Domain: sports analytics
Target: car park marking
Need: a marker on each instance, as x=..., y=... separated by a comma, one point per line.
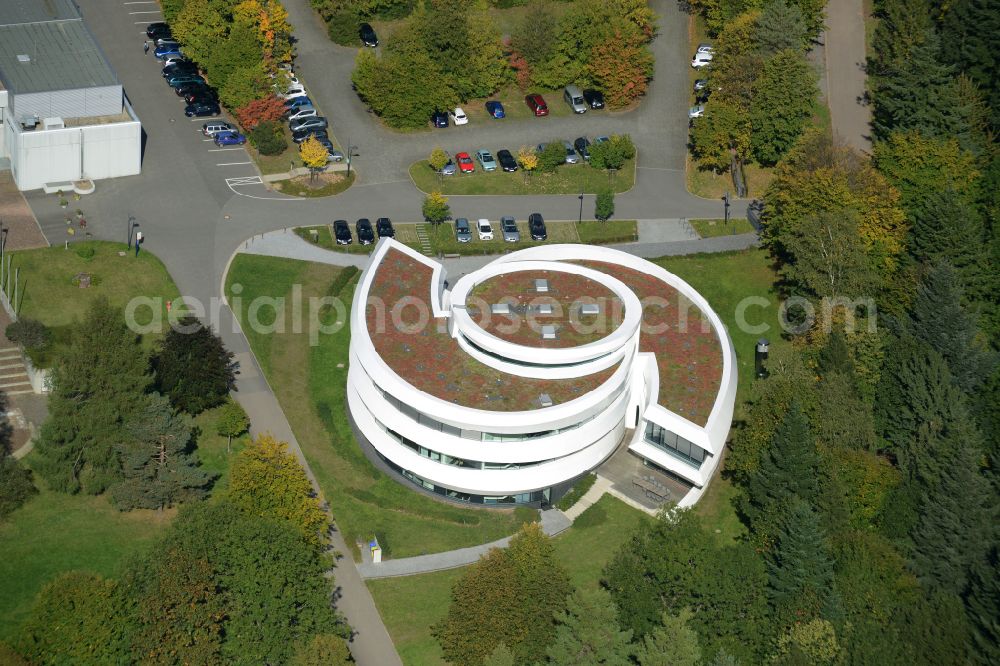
x=244, y=180
x=150, y=11
x=219, y=150
x=203, y=119
x=232, y=163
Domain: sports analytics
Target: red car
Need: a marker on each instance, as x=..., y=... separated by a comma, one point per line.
x=537, y=105
x=465, y=163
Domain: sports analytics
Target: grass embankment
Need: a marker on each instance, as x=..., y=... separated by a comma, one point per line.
x=719, y=227
x=310, y=383
x=411, y=605
x=566, y=179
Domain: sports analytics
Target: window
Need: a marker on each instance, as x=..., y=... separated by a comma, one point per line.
x=674, y=444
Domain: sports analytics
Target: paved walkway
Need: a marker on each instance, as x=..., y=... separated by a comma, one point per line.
x=553, y=522
x=845, y=72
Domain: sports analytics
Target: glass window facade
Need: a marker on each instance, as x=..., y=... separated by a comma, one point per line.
x=675, y=445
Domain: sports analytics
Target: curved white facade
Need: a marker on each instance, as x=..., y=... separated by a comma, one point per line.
x=466, y=413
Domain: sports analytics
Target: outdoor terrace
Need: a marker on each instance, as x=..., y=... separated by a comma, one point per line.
x=560, y=316
x=432, y=361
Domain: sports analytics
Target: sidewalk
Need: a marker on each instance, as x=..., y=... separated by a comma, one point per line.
x=845, y=73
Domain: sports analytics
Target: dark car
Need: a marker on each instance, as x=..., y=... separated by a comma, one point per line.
x=463, y=232
x=594, y=98
x=189, y=70
x=157, y=29
x=190, y=87
x=755, y=213
x=495, y=109
x=208, y=95
x=368, y=36
x=537, y=227
x=300, y=137
x=439, y=119
x=366, y=235
x=582, y=145
x=537, y=105
x=383, y=226
x=202, y=109
x=342, y=232
x=506, y=160
x=179, y=67
x=175, y=80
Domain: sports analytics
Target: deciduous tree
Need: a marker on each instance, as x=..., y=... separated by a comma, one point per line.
x=438, y=158
x=269, y=109
x=621, y=68
x=232, y=422
x=323, y=650
x=552, y=156
x=785, y=94
x=245, y=84
x=604, y=205
x=193, y=368
x=436, y=209
x=313, y=154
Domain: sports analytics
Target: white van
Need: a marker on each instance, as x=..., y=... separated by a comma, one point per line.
x=574, y=97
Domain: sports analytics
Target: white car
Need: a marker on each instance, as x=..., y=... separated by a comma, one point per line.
x=485, y=230
x=696, y=111
x=706, y=48
x=458, y=116
x=701, y=60
x=293, y=92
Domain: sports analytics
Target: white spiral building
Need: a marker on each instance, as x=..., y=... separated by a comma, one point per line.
x=532, y=371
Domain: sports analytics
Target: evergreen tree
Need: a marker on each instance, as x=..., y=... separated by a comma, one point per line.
x=588, y=633
x=800, y=571
x=783, y=100
x=835, y=355
x=970, y=28
x=97, y=385
x=956, y=522
x=780, y=26
x=983, y=605
x=938, y=318
x=723, y=658
x=158, y=466
x=671, y=644
x=193, y=368
x=16, y=486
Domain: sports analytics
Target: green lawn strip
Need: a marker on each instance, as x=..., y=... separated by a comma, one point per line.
x=443, y=240
x=212, y=451
x=301, y=188
x=515, y=107
x=611, y=231
x=410, y=605
x=716, y=507
x=310, y=382
x=718, y=227
x=49, y=293
x=566, y=179
x=54, y=533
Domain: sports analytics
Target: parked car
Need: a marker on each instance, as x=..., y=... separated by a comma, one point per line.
x=594, y=98
x=574, y=98
x=307, y=111
x=582, y=145
x=508, y=226
x=495, y=109
x=316, y=122
x=175, y=80
x=602, y=139
x=486, y=160
x=191, y=87
x=366, y=235
x=201, y=95
x=368, y=36
x=215, y=127
x=700, y=85
x=166, y=40
x=229, y=139
x=571, y=157
x=449, y=168
x=318, y=132
x=458, y=116
x=331, y=154
x=537, y=227
x=463, y=233
x=293, y=92
x=383, y=226
x=178, y=67
x=202, y=109
x=342, y=233
x=701, y=60
x=465, y=163
x=173, y=59
x=506, y=160
x=706, y=48
x=439, y=119
x=296, y=102
x=162, y=52
x=696, y=112
x=485, y=229
x=158, y=28
x=537, y=105
x=755, y=211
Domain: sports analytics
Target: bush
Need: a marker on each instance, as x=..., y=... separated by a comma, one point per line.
x=612, y=154
x=342, y=28
x=30, y=333
x=268, y=138
x=552, y=156
x=604, y=205
x=85, y=252
x=15, y=484
x=578, y=490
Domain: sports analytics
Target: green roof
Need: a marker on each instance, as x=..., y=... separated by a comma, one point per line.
x=51, y=55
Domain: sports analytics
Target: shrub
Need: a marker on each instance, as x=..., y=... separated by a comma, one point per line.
x=31, y=333
x=552, y=156
x=604, y=205
x=612, y=154
x=578, y=490
x=85, y=252
x=342, y=27
x=268, y=138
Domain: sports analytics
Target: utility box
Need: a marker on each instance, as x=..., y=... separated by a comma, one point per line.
x=376, y=550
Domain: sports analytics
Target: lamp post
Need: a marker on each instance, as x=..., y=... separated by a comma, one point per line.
x=132, y=226
x=725, y=199
x=350, y=154
x=580, y=219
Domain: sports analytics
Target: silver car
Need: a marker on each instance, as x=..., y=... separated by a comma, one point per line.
x=571, y=156
x=509, y=228
x=449, y=168
x=463, y=232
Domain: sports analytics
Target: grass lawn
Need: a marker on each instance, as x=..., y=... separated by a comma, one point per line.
x=566, y=179
x=310, y=382
x=54, y=533
x=327, y=185
x=271, y=164
x=612, y=231
x=710, y=185
x=212, y=448
x=410, y=605
x=48, y=292
x=718, y=227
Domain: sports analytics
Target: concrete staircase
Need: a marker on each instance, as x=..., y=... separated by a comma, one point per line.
x=13, y=375
x=424, y=239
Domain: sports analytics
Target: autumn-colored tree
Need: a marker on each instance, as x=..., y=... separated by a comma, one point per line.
x=918, y=166
x=438, y=158
x=267, y=480
x=522, y=70
x=527, y=159
x=260, y=110
x=313, y=154
x=621, y=68
x=724, y=131
x=323, y=650
x=436, y=209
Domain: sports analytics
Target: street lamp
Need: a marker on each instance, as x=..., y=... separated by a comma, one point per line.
x=132, y=226
x=350, y=154
x=580, y=220
x=725, y=198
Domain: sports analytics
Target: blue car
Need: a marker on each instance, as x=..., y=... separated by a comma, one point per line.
x=296, y=102
x=167, y=50
x=229, y=139
x=495, y=109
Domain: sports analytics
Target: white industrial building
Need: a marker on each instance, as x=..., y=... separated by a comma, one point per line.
x=64, y=114
x=530, y=372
